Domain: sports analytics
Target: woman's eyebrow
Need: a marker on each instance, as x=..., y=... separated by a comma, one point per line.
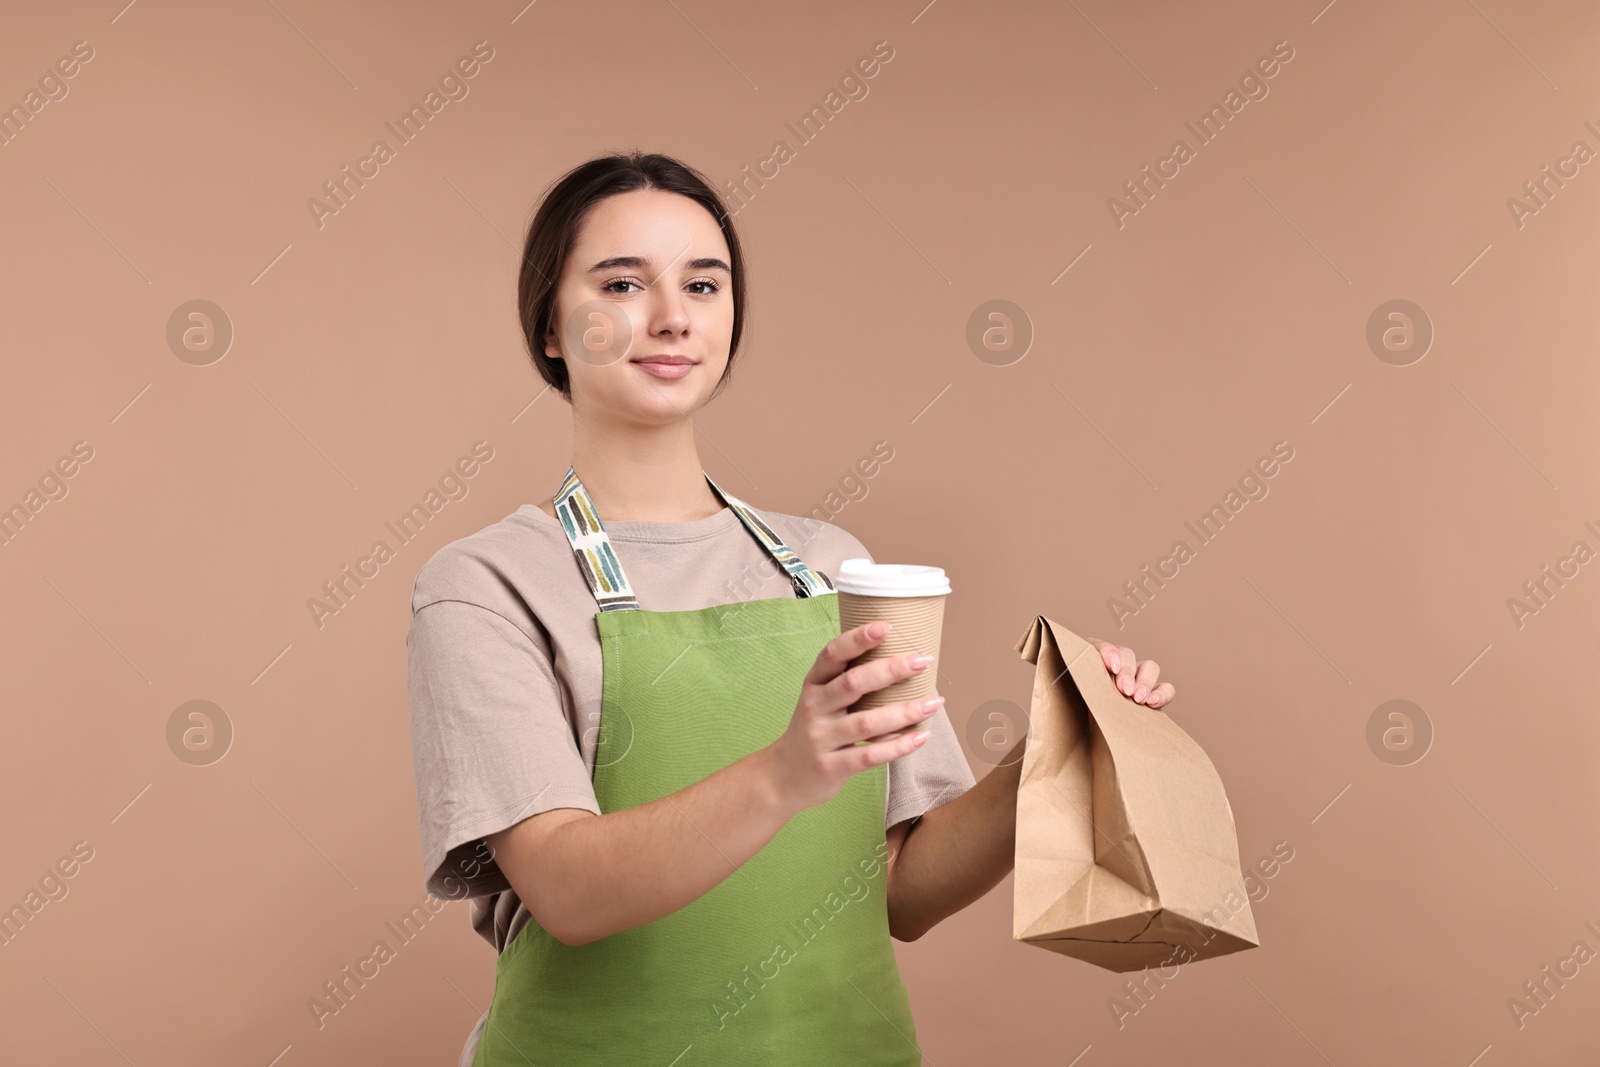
x=643, y=263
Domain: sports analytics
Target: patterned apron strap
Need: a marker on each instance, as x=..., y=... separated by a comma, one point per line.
x=806, y=581
x=603, y=570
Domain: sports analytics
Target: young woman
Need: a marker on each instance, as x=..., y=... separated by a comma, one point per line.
x=628, y=702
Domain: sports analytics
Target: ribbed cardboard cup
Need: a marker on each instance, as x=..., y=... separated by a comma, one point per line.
x=911, y=599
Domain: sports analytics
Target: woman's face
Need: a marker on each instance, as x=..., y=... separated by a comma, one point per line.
x=648, y=277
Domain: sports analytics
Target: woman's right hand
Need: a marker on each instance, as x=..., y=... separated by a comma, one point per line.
x=818, y=751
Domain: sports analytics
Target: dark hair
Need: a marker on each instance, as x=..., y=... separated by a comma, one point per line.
x=555, y=228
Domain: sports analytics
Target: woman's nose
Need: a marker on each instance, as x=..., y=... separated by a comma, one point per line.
x=668, y=312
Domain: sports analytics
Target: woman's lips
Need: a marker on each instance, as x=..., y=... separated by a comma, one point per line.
x=665, y=370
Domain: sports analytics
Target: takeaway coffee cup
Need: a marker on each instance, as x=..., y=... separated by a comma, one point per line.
x=911, y=598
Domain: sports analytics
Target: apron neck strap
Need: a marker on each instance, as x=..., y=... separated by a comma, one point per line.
x=603, y=571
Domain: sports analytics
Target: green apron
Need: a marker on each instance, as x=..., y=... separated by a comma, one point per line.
x=787, y=962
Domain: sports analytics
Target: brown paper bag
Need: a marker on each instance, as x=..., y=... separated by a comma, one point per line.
x=1127, y=855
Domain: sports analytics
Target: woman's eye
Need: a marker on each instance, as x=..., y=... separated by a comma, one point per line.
x=700, y=287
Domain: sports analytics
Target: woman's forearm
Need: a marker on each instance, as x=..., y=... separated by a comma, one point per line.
x=594, y=875
x=585, y=876
x=957, y=852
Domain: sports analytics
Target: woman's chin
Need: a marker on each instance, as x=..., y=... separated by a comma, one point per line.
x=662, y=407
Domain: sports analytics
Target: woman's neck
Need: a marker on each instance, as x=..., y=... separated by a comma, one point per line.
x=644, y=474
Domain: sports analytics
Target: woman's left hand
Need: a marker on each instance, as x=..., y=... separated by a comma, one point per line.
x=1135, y=678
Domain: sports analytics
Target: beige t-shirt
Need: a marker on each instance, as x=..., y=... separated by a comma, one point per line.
x=504, y=678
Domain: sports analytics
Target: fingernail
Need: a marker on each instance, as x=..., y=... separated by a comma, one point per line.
x=919, y=737
x=1116, y=663
x=1139, y=693
x=931, y=705
x=921, y=660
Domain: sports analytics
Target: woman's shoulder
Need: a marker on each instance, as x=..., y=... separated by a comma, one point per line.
x=492, y=565
x=820, y=543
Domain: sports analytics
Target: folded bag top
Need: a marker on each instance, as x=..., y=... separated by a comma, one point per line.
x=1127, y=856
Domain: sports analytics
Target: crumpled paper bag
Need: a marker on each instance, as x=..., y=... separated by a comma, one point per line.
x=1126, y=855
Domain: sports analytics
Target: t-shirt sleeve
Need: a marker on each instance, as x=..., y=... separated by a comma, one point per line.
x=932, y=775
x=491, y=744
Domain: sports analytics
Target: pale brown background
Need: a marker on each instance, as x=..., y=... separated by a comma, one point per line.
x=1229, y=314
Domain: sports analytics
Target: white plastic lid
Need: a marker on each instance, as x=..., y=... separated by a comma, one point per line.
x=863, y=577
